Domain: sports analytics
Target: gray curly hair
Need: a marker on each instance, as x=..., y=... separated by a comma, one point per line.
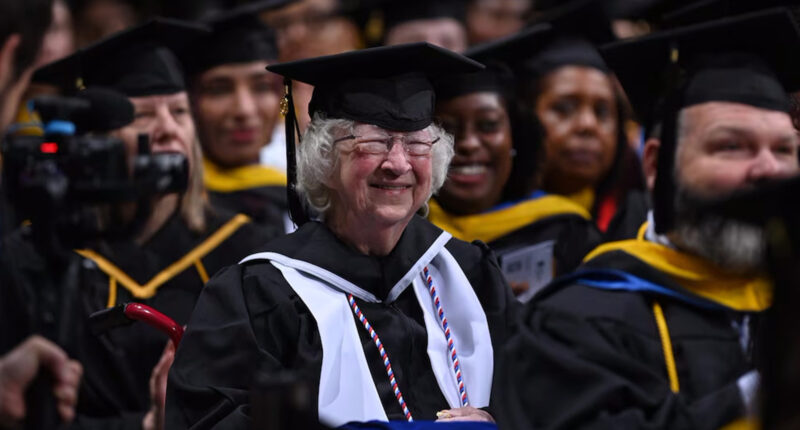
x=317, y=157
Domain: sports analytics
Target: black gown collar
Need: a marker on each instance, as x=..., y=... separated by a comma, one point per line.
x=314, y=243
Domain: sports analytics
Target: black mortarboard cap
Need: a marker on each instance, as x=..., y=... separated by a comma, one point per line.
x=750, y=59
x=397, y=12
x=137, y=62
x=237, y=36
x=561, y=36
x=538, y=50
x=389, y=86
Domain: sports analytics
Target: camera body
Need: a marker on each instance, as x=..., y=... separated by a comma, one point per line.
x=65, y=167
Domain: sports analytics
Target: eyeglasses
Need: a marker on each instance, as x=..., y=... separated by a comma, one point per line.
x=382, y=144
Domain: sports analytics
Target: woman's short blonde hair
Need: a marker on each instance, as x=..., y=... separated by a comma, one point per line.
x=317, y=158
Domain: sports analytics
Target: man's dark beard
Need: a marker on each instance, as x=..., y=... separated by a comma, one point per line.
x=730, y=244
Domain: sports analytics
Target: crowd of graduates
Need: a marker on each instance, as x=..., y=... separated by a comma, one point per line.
x=514, y=213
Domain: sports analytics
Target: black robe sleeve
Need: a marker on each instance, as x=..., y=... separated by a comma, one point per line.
x=604, y=370
x=245, y=321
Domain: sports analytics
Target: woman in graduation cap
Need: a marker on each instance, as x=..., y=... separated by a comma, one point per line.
x=235, y=101
x=180, y=242
x=565, y=85
x=389, y=316
x=526, y=227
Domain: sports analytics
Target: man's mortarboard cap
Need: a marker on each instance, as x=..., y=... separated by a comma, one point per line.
x=237, y=36
x=137, y=62
x=750, y=59
x=386, y=86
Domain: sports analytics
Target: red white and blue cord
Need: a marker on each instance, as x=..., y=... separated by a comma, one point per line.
x=384, y=356
x=462, y=389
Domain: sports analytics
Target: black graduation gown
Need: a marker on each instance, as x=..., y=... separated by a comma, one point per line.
x=250, y=319
x=117, y=365
x=587, y=357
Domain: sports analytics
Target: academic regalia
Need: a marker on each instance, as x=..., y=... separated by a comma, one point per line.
x=645, y=335
x=535, y=237
x=238, y=36
x=565, y=36
x=167, y=273
x=251, y=318
x=256, y=191
x=543, y=231
x=591, y=349
x=378, y=336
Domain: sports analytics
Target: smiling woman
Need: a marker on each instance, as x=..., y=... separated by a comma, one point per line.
x=235, y=101
x=528, y=229
x=372, y=300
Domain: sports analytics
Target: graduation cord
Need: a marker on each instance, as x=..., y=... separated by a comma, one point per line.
x=666, y=345
x=384, y=356
x=462, y=389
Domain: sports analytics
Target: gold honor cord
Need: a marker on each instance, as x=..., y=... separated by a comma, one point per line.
x=193, y=257
x=666, y=345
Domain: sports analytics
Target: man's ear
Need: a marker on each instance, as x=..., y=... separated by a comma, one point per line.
x=7, y=51
x=650, y=161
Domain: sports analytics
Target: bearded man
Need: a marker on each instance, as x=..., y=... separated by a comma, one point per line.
x=658, y=332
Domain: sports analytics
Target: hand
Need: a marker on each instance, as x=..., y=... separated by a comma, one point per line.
x=467, y=413
x=20, y=366
x=154, y=420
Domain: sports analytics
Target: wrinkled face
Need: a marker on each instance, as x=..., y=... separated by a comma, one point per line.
x=578, y=111
x=491, y=19
x=731, y=146
x=445, y=32
x=379, y=189
x=166, y=119
x=236, y=106
x=482, y=163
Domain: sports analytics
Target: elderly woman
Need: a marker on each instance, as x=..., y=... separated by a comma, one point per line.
x=358, y=298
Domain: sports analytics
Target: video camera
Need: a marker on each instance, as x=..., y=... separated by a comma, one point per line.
x=60, y=168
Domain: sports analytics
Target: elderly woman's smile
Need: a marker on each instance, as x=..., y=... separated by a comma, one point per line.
x=379, y=180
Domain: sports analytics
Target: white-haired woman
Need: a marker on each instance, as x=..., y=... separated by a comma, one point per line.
x=390, y=317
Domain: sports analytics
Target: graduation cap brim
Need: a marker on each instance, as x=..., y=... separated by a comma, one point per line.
x=538, y=50
x=771, y=35
x=376, y=63
x=106, y=61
